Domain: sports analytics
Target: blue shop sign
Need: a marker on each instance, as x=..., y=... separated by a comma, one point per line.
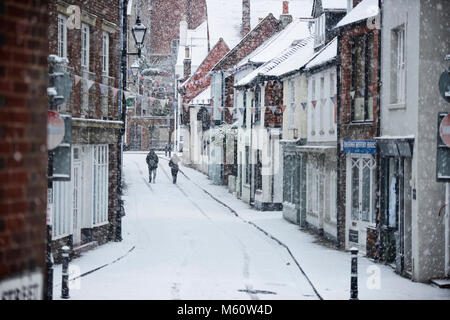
x=360, y=146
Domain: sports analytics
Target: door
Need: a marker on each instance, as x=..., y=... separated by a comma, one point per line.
x=77, y=195
x=360, y=212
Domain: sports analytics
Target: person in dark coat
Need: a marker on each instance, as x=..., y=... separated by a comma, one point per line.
x=166, y=149
x=152, y=162
x=173, y=164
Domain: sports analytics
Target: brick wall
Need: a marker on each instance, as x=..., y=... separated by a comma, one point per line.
x=23, y=133
x=349, y=130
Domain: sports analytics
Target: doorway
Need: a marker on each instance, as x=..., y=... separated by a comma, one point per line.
x=77, y=196
x=360, y=199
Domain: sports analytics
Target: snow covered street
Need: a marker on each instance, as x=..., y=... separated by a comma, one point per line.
x=180, y=242
x=187, y=246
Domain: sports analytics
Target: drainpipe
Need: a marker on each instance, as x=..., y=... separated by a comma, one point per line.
x=339, y=217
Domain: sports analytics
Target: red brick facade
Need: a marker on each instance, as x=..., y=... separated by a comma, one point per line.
x=351, y=130
x=23, y=134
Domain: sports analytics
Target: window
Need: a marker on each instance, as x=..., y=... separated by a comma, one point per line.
x=332, y=111
x=313, y=109
x=100, y=204
x=291, y=103
x=247, y=165
x=62, y=209
x=333, y=195
x=105, y=53
x=85, y=46
x=314, y=183
x=321, y=108
x=320, y=29
x=258, y=182
x=62, y=36
x=362, y=75
x=398, y=72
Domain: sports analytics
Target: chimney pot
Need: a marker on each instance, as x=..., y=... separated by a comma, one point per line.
x=285, y=7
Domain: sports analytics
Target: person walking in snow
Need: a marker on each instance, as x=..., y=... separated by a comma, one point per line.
x=152, y=162
x=173, y=164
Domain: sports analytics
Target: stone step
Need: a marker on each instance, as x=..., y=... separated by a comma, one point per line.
x=78, y=250
x=441, y=283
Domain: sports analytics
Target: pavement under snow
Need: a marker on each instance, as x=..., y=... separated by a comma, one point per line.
x=194, y=240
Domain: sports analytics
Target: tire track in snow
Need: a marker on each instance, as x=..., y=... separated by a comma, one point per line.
x=260, y=229
x=246, y=267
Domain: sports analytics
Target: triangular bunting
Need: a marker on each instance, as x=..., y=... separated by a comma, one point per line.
x=314, y=102
x=273, y=108
x=114, y=91
x=242, y=110
x=283, y=107
x=304, y=104
x=77, y=79
x=103, y=88
x=362, y=91
x=333, y=99
x=370, y=88
x=352, y=94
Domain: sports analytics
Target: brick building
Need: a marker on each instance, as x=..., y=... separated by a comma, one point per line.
x=23, y=149
x=358, y=121
x=86, y=209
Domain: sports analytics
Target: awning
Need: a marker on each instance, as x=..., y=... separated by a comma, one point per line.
x=395, y=146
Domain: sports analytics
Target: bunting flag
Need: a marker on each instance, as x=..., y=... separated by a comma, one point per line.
x=89, y=83
x=252, y=110
x=304, y=104
x=371, y=88
x=314, y=102
x=220, y=109
x=352, y=94
x=273, y=108
x=103, y=88
x=362, y=90
x=77, y=79
x=283, y=107
x=186, y=107
x=333, y=99
x=242, y=110
x=114, y=91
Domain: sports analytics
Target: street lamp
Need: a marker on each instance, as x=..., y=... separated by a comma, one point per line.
x=138, y=32
x=135, y=68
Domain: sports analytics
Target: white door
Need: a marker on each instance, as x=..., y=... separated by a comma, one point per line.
x=360, y=199
x=77, y=195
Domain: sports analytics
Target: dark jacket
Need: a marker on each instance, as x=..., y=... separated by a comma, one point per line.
x=152, y=160
x=173, y=166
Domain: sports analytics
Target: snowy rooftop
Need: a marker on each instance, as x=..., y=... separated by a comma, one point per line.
x=296, y=60
x=364, y=10
x=292, y=58
x=202, y=98
x=334, y=4
x=327, y=53
x=298, y=29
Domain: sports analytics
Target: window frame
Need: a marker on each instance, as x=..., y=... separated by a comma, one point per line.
x=100, y=158
x=85, y=46
x=105, y=53
x=62, y=43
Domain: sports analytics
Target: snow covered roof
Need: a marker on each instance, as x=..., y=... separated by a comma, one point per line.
x=202, y=98
x=328, y=53
x=290, y=59
x=225, y=16
x=334, y=4
x=364, y=10
x=296, y=60
x=298, y=29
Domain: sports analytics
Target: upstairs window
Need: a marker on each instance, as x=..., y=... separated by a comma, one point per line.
x=62, y=36
x=362, y=75
x=105, y=53
x=85, y=46
x=320, y=29
x=398, y=72
x=291, y=103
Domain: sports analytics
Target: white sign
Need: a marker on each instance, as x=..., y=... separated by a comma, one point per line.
x=55, y=130
x=25, y=287
x=49, y=207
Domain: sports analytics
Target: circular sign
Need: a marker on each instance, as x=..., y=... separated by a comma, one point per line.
x=55, y=130
x=444, y=85
x=444, y=130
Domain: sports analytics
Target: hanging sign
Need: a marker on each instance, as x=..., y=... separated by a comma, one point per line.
x=360, y=146
x=55, y=130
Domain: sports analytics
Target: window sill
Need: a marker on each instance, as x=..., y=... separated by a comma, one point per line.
x=397, y=106
x=360, y=123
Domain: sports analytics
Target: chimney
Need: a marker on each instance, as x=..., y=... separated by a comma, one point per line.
x=183, y=31
x=285, y=17
x=186, y=64
x=245, y=28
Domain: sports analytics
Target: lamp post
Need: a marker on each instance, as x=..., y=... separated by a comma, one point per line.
x=139, y=30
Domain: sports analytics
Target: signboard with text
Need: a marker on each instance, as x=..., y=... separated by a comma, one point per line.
x=25, y=287
x=359, y=146
x=443, y=148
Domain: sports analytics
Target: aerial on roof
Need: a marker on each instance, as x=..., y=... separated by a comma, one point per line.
x=364, y=10
x=326, y=54
x=298, y=29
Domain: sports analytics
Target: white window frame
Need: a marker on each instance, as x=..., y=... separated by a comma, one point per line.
x=399, y=65
x=85, y=39
x=105, y=53
x=333, y=195
x=291, y=103
x=62, y=214
x=332, y=92
x=100, y=185
x=62, y=36
x=313, y=180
